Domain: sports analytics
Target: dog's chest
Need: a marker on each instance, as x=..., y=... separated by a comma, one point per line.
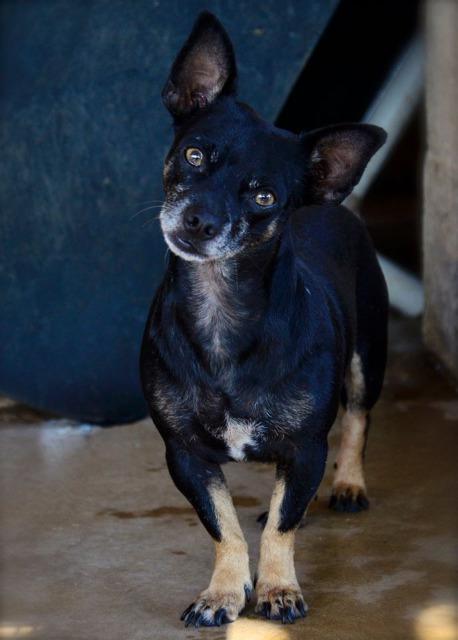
x=249, y=420
x=239, y=435
x=240, y=392
x=218, y=310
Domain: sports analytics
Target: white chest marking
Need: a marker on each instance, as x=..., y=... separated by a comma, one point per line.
x=216, y=315
x=240, y=433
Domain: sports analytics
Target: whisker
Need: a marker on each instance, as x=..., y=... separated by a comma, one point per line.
x=153, y=206
x=148, y=201
x=150, y=221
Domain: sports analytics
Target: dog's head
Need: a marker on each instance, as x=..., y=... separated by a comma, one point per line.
x=230, y=178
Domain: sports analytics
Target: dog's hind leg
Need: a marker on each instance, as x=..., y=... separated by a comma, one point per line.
x=363, y=383
x=204, y=486
x=279, y=595
x=349, y=487
x=349, y=491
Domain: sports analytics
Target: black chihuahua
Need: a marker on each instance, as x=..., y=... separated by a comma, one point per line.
x=273, y=309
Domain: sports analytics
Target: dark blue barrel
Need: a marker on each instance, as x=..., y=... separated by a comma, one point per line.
x=82, y=135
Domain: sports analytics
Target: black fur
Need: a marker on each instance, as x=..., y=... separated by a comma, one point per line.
x=298, y=286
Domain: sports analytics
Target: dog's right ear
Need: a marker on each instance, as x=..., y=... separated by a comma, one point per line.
x=337, y=157
x=204, y=69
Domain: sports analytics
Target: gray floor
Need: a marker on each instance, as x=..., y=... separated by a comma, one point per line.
x=98, y=544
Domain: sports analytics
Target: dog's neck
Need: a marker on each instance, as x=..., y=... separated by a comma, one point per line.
x=227, y=297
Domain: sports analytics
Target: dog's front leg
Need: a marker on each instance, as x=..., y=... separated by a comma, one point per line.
x=203, y=484
x=279, y=595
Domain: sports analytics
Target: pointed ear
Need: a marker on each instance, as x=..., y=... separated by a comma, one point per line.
x=204, y=69
x=337, y=157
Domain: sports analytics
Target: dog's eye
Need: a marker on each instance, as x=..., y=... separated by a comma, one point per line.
x=194, y=156
x=265, y=198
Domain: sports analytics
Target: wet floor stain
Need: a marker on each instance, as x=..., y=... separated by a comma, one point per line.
x=192, y=522
x=160, y=512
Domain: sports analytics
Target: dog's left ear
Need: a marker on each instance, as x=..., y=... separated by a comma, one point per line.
x=337, y=157
x=204, y=69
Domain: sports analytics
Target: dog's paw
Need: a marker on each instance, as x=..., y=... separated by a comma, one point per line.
x=281, y=603
x=213, y=608
x=348, y=498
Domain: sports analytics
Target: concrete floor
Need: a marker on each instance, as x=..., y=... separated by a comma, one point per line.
x=98, y=544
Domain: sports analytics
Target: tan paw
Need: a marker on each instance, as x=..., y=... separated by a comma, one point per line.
x=281, y=603
x=348, y=498
x=214, y=608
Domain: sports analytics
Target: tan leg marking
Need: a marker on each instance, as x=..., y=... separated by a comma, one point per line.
x=278, y=592
x=231, y=575
x=354, y=381
x=350, y=457
x=349, y=486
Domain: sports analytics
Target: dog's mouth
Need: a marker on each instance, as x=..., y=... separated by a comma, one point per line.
x=181, y=246
x=185, y=245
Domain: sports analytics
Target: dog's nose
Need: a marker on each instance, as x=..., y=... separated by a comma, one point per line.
x=200, y=225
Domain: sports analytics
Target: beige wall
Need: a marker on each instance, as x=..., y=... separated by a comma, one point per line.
x=440, y=218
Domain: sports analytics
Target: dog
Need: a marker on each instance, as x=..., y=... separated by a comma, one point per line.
x=271, y=313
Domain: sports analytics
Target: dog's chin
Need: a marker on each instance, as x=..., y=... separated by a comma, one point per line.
x=184, y=249
x=187, y=251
